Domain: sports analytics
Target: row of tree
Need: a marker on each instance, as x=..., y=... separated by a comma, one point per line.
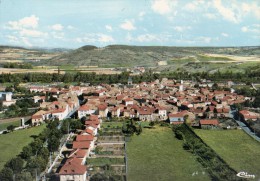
x=123, y=77
x=216, y=167
x=18, y=65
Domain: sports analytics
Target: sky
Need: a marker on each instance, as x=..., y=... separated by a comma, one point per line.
x=75, y=23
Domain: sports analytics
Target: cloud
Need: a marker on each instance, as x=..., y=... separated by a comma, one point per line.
x=225, y=34
x=58, y=35
x=194, y=5
x=163, y=6
x=210, y=15
x=94, y=38
x=147, y=38
x=69, y=27
x=255, y=28
x=57, y=27
x=12, y=39
x=105, y=38
x=227, y=13
x=26, y=22
x=109, y=28
x=144, y=38
x=141, y=14
x=181, y=28
x=236, y=11
x=32, y=33
x=128, y=25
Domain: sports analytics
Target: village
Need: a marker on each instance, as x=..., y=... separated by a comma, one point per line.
x=170, y=101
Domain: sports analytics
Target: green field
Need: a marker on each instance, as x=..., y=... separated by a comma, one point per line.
x=11, y=144
x=3, y=126
x=238, y=149
x=157, y=155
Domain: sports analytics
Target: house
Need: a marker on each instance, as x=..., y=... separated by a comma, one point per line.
x=115, y=112
x=247, y=115
x=60, y=114
x=208, y=123
x=81, y=145
x=87, y=131
x=36, y=89
x=102, y=110
x=36, y=118
x=162, y=112
x=128, y=101
x=85, y=110
x=6, y=98
x=74, y=170
x=80, y=154
x=145, y=114
x=177, y=118
x=86, y=138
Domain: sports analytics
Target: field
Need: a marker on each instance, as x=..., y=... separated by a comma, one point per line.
x=238, y=149
x=157, y=155
x=3, y=126
x=11, y=144
x=112, y=125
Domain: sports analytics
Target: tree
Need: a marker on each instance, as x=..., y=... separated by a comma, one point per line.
x=151, y=123
x=27, y=152
x=10, y=128
x=36, y=164
x=53, y=144
x=24, y=176
x=16, y=164
x=6, y=174
x=36, y=145
x=99, y=177
x=215, y=86
x=44, y=153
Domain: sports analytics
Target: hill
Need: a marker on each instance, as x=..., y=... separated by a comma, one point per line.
x=147, y=56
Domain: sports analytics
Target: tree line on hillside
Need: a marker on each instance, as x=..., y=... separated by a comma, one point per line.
x=18, y=65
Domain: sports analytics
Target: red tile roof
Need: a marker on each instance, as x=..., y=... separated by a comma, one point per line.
x=209, y=122
x=36, y=116
x=102, y=107
x=79, y=153
x=84, y=108
x=179, y=114
x=84, y=138
x=81, y=144
x=73, y=167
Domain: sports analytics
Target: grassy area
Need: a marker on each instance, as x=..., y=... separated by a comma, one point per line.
x=238, y=149
x=157, y=155
x=112, y=124
x=104, y=161
x=11, y=144
x=205, y=58
x=3, y=126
